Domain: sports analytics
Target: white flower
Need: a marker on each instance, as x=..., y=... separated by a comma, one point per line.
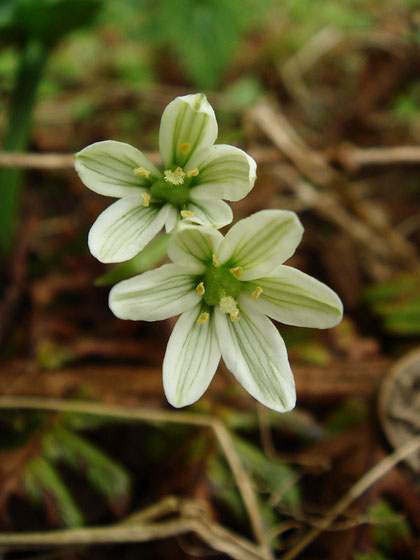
x=196, y=176
x=224, y=287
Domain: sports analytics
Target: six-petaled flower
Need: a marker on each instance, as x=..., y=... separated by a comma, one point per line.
x=197, y=176
x=224, y=288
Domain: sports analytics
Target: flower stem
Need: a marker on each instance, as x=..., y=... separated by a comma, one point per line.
x=31, y=65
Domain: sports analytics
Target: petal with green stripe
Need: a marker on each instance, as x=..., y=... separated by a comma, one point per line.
x=262, y=242
x=124, y=229
x=188, y=124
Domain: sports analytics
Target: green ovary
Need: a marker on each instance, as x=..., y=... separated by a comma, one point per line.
x=178, y=195
x=218, y=283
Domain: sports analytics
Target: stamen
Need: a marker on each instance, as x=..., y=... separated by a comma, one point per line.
x=200, y=289
x=215, y=260
x=187, y=214
x=184, y=147
x=142, y=172
x=203, y=318
x=175, y=177
x=234, y=316
x=146, y=198
x=237, y=271
x=257, y=292
x=192, y=173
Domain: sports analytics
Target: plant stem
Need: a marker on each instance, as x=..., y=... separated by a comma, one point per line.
x=31, y=65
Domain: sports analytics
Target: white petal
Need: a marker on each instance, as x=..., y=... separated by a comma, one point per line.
x=213, y=213
x=108, y=168
x=224, y=172
x=188, y=124
x=172, y=218
x=254, y=352
x=294, y=298
x=194, y=246
x=262, y=242
x=155, y=295
x=124, y=229
x=191, y=358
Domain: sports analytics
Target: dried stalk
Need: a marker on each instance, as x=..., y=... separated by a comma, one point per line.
x=350, y=157
x=314, y=166
x=143, y=526
x=367, y=480
x=151, y=415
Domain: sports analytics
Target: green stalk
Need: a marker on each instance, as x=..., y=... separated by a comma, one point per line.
x=31, y=65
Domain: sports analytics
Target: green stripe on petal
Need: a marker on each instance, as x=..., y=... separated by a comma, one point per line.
x=224, y=172
x=194, y=246
x=213, y=213
x=155, y=295
x=124, y=229
x=188, y=124
x=191, y=358
x=262, y=242
x=294, y=298
x=108, y=168
x=255, y=353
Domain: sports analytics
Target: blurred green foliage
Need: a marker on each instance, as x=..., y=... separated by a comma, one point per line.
x=44, y=20
x=388, y=528
x=204, y=35
x=57, y=444
x=397, y=303
x=148, y=258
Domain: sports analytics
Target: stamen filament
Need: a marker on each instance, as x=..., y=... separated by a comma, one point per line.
x=187, y=214
x=234, y=316
x=184, y=147
x=146, y=199
x=237, y=271
x=200, y=289
x=257, y=292
x=192, y=173
x=142, y=172
x=204, y=317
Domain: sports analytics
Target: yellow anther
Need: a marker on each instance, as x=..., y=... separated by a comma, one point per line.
x=215, y=260
x=184, y=147
x=146, y=198
x=175, y=177
x=200, y=289
x=192, y=173
x=237, y=271
x=187, y=214
x=257, y=292
x=142, y=172
x=203, y=318
x=234, y=316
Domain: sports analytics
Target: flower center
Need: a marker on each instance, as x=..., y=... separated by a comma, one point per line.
x=220, y=287
x=176, y=194
x=174, y=187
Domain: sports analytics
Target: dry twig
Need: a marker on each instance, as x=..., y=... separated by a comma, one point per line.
x=151, y=415
x=191, y=517
x=367, y=480
x=312, y=165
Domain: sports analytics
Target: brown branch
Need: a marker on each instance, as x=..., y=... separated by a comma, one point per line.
x=349, y=156
x=339, y=379
x=352, y=157
x=314, y=166
x=152, y=415
x=367, y=480
x=191, y=518
x=48, y=161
